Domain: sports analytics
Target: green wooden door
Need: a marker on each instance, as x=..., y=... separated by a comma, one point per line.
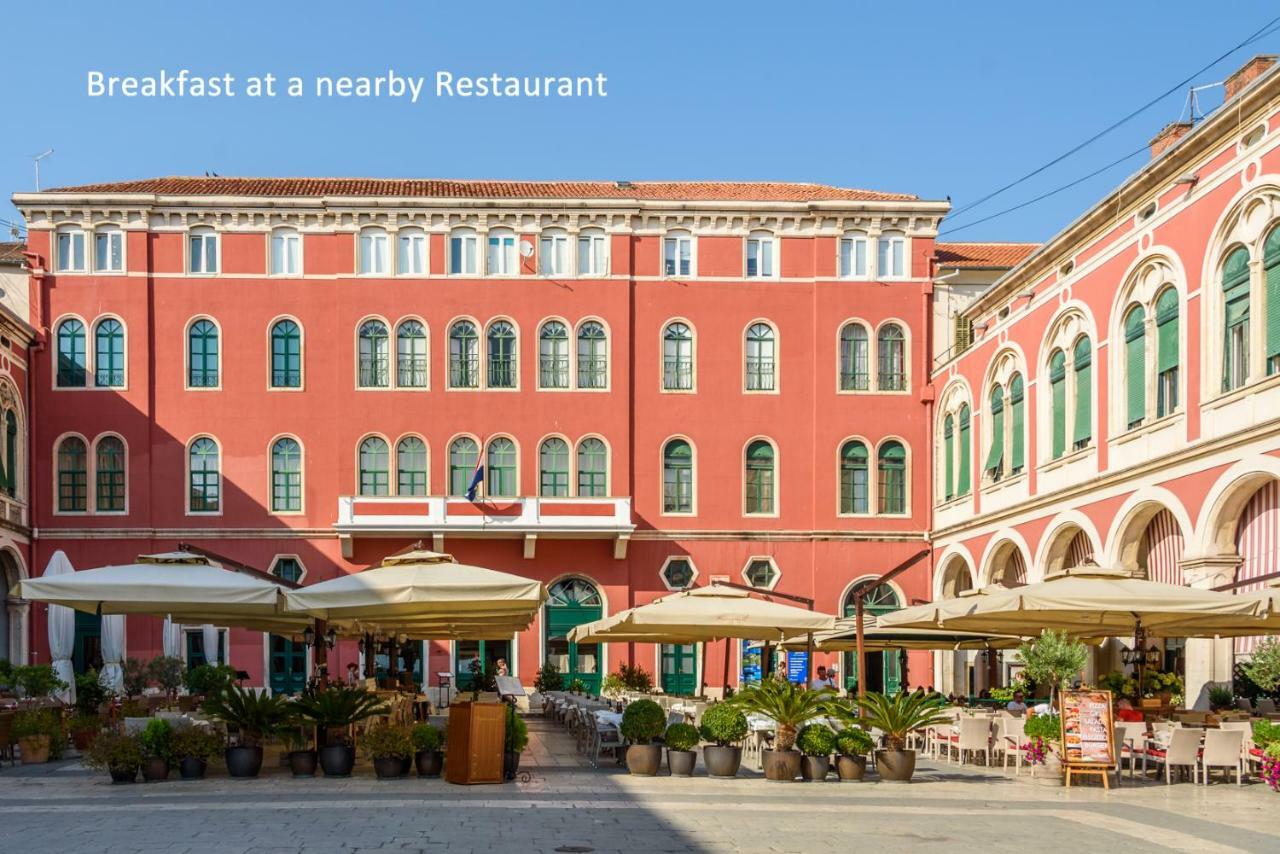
x=196, y=653
x=87, y=653
x=679, y=668
x=288, y=665
x=571, y=603
x=466, y=651
x=886, y=675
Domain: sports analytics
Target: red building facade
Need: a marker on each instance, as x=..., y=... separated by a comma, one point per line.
x=667, y=383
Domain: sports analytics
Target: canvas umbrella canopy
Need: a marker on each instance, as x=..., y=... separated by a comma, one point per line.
x=1085, y=601
x=878, y=638
x=62, y=631
x=187, y=587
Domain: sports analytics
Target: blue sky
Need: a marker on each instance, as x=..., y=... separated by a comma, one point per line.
x=933, y=98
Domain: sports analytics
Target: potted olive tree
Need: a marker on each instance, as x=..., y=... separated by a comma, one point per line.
x=157, y=749
x=334, y=711
x=38, y=733
x=642, y=722
x=681, y=740
x=816, y=743
x=897, y=717
x=193, y=746
x=390, y=748
x=725, y=726
x=256, y=716
x=790, y=706
x=117, y=754
x=852, y=746
x=428, y=741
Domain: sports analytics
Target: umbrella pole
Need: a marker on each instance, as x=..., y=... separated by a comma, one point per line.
x=320, y=654
x=859, y=632
x=808, y=659
x=725, y=695
x=370, y=656
x=702, y=682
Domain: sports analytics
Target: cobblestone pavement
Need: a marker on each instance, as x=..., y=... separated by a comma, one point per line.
x=567, y=806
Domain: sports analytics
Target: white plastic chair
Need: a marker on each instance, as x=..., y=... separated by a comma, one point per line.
x=1014, y=740
x=1133, y=737
x=975, y=736
x=1223, y=748
x=1183, y=750
x=1266, y=706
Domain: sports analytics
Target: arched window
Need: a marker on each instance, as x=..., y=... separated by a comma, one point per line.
x=286, y=476
x=593, y=253
x=893, y=478
x=1271, y=297
x=109, y=468
x=374, y=356
x=108, y=253
x=375, y=464
x=411, y=355
x=500, y=259
x=502, y=355
x=204, y=485
x=853, y=255
x=1167, y=343
x=202, y=354
x=1235, y=342
x=411, y=467
x=286, y=355
x=411, y=252
x=464, y=355
x=500, y=460
x=1082, y=427
x=891, y=356
x=761, y=255
x=854, y=474
x=677, y=357
x=553, y=355
x=677, y=477
x=593, y=468
x=71, y=257
x=948, y=458
x=553, y=467
x=462, y=252
x=994, y=466
x=1017, y=431
x=761, y=358
x=286, y=252
x=1135, y=366
x=855, y=358
x=73, y=476
x=463, y=457
x=108, y=346
x=593, y=356
x=202, y=250
x=553, y=253
x=11, y=455
x=72, y=365
x=1058, y=403
x=963, y=476
x=373, y=252
x=759, y=478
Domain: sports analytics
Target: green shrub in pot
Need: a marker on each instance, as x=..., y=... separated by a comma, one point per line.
x=208, y=680
x=428, y=742
x=682, y=737
x=642, y=722
x=724, y=725
x=390, y=747
x=816, y=740
x=39, y=735
x=854, y=741
x=157, y=752
x=118, y=754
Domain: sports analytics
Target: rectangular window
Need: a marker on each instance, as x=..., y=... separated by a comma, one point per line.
x=677, y=489
x=501, y=260
x=71, y=251
x=373, y=254
x=412, y=258
x=286, y=491
x=593, y=255
x=553, y=255
x=890, y=260
x=286, y=254
x=1166, y=392
x=677, y=256
x=204, y=252
x=108, y=251
x=853, y=257
x=462, y=255
x=759, y=257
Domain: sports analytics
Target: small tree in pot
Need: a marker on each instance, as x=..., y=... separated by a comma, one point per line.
x=790, y=706
x=1053, y=658
x=681, y=740
x=725, y=725
x=157, y=749
x=428, y=744
x=642, y=722
x=334, y=711
x=816, y=743
x=117, y=754
x=390, y=748
x=193, y=746
x=39, y=735
x=517, y=739
x=898, y=716
x=256, y=717
x=853, y=744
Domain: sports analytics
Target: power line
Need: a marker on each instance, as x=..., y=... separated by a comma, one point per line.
x=1262, y=32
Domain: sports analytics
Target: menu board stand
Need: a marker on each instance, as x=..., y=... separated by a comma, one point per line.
x=1088, y=735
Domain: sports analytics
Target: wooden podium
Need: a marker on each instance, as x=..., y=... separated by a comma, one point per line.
x=477, y=741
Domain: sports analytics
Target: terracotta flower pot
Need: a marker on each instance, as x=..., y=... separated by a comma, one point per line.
x=303, y=763
x=35, y=749
x=851, y=768
x=430, y=763
x=782, y=766
x=682, y=762
x=644, y=760
x=155, y=769
x=895, y=766
x=722, y=761
x=815, y=768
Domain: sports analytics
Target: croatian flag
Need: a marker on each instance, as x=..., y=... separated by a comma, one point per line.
x=477, y=477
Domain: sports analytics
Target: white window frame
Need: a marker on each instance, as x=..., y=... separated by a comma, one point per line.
x=765, y=245
x=676, y=239
x=886, y=244
x=853, y=241
x=205, y=236
x=280, y=239
x=374, y=252
x=503, y=252
x=465, y=255
x=113, y=235
x=596, y=243
x=411, y=245
x=553, y=254
x=66, y=256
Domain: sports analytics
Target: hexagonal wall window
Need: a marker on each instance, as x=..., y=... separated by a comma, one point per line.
x=678, y=573
x=761, y=572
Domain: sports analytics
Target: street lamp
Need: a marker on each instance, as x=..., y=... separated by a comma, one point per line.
x=309, y=636
x=330, y=638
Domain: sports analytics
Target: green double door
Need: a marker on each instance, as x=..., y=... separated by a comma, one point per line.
x=572, y=602
x=680, y=668
x=288, y=671
x=487, y=651
x=884, y=669
x=87, y=652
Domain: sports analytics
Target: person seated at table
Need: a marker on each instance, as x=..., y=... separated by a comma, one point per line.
x=1017, y=705
x=500, y=667
x=1126, y=712
x=821, y=679
x=353, y=678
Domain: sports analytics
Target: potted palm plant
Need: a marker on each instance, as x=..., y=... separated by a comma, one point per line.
x=897, y=717
x=427, y=743
x=117, y=754
x=642, y=722
x=390, y=747
x=256, y=716
x=156, y=743
x=193, y=746
x=681, y=740
x=852, y=746
x=816, y=742
x=790, y=706
x=725, y=725
x=334, y=711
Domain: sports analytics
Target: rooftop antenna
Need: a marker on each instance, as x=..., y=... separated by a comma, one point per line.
x=1191, y=109
x=37, y=158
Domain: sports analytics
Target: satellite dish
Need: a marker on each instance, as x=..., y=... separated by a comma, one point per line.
x=526, y=249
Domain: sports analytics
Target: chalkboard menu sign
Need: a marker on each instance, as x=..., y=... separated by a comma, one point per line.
x=1087, y=728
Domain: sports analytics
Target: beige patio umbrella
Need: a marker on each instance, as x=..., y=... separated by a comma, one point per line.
x=877, y=638
x=189, y=587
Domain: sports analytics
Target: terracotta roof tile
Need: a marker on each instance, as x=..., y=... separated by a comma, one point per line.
x=11, y=253
x=983, y=255
x=764, y=191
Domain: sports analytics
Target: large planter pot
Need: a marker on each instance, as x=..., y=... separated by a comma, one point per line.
x=123, y=775
x=155, y=769
x=429, y=763
x=192, y=767
x=35, y=749
x=83, y=738
x=851, y=768
x=815, y=768
x=644, y=760
x=781, y=765
x=722, y=761
x=681, y=762
x=895, y=766
x=388, y=767
x=337, y=761
x=244, y=760
x=303, y=763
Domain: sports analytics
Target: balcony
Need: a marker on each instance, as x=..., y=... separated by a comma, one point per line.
x=525, y=518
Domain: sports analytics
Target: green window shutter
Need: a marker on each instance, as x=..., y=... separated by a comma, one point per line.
x=1017, y=455
x=1271, y=261
x=1135, y=345
x=1082, y=426
x=962, y=485
x=1167, y=330
x=995, y=455
x=1058, y=393
x=948, y=440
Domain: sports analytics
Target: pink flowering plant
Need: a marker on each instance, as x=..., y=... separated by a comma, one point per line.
x=1271, y=767
x=1042, y=731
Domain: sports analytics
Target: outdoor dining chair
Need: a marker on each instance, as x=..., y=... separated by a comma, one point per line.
x=1183, y=751
x=1266, y=706
x=1223, y=748
x=974, y=737
x=1132, y=741
x=607, y=737
x=1244, y=704
x=1013, y=739
x=6, y=736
